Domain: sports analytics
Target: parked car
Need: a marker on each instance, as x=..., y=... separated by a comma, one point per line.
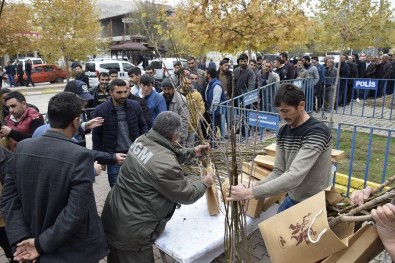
x=94, y=68
x=160, y=68
x=35, y=61
x=46, y=73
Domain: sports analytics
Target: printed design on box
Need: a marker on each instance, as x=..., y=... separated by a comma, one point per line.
x=299, y=231
x=282, y=241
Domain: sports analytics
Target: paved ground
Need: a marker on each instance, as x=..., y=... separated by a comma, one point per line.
x=258, y=250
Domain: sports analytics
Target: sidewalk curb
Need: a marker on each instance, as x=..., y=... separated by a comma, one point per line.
x=47, y=91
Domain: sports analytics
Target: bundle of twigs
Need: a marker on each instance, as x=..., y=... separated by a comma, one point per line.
x=357, y=213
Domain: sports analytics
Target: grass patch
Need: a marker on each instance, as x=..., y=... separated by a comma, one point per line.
x=380, y=101
x=377, y=155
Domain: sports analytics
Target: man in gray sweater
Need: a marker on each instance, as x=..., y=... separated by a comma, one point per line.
x=302, y=166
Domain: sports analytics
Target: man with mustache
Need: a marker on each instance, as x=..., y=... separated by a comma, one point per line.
x=302, y=165
x=244, y=77
x=123, y=123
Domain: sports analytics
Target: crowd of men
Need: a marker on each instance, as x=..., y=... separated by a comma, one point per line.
x=142, y=131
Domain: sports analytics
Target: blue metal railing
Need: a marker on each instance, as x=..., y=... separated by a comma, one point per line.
x=376, y=96
x=358, y=144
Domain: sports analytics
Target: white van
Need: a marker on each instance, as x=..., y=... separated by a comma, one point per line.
x=94, y=68
x=160, y=70
x=35, y=61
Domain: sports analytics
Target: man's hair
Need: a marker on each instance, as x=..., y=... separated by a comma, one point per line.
x=345, y=55
x=222, y=62
x=253, y=61
x=307, y=58
x=212, y=72
x=15, y=95
x=315, y=58
x=243, y=56
x=177, y=64
x=78, y=65
x=149, y=67
x=103, y=74
x=300, y=60
x=279, y=59
x=167, y=123
x=117, y=82
x=4, y=91
x=191, y=58
x=147, y=79
x=259, y=58
x=226, y=59
x=136, y=71
x=112, y=71
x=63, y=108
x=289, y=94
x=284, y=55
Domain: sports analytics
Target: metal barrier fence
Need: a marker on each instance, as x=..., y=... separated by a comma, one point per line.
x=366, y=152
x=375, y=97
x=253, y=112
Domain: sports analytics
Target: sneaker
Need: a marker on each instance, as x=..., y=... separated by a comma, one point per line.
x=357, y=100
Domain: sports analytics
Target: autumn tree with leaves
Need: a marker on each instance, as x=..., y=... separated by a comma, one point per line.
x=16, y=29
x=68, y=28
x=238, y=25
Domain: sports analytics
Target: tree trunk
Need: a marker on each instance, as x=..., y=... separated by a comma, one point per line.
x=67, y=69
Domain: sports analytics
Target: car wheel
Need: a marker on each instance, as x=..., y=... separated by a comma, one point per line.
x=52, y=82
x=60, y=80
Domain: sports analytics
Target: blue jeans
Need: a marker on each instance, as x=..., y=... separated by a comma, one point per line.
x=287, y=203
x=112, y=172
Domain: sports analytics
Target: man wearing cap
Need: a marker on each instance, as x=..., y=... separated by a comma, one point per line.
x=123, y=123
x=156, y=103
x=22, y=120
x=177, y=103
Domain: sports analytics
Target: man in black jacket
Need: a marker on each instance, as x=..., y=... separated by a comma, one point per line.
x=28, y=70
x=244, y=77
x=100, y=93
x=19, y=72
x=80, y=75
x=48, y=201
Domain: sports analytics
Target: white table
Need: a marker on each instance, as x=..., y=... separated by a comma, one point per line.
x=192, y=235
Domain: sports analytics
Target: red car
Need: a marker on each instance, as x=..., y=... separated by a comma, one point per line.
x=46, y=73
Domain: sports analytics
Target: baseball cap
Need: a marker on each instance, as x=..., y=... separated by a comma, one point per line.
x=80, y=88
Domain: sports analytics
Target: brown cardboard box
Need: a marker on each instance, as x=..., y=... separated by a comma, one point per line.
x=271, y=149
x=257, y=171
x=265, y=161
x=255, y=206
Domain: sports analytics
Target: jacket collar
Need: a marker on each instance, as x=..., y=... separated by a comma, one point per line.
x=57, y=135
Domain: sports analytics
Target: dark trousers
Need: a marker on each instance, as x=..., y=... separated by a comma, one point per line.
x=120, y=256
x=21, y=82
x=318, y=95
x=5, y=244
x=29, y=79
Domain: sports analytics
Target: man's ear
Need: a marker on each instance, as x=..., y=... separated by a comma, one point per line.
x=302, y=104
x=76, y=121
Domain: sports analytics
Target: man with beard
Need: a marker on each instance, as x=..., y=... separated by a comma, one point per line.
x=225, y=76
x=192, y=67
x=288, y=66
x=80, y=75
x=244, y=77
x=123, y=123
x=177, y=103
x=101, y=92
x=280, y=69
x=302, y=165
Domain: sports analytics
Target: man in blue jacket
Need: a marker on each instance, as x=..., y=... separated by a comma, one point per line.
x=123, y=123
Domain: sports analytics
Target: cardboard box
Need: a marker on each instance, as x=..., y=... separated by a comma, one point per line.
x=265, y=161
x=255, y=206
x=257, y=171
x=271, y=149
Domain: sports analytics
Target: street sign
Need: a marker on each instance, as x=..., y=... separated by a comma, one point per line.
x=250, y=98
x=264, y=120
x=368, y=84
x=298, y=83
x=127, y=20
